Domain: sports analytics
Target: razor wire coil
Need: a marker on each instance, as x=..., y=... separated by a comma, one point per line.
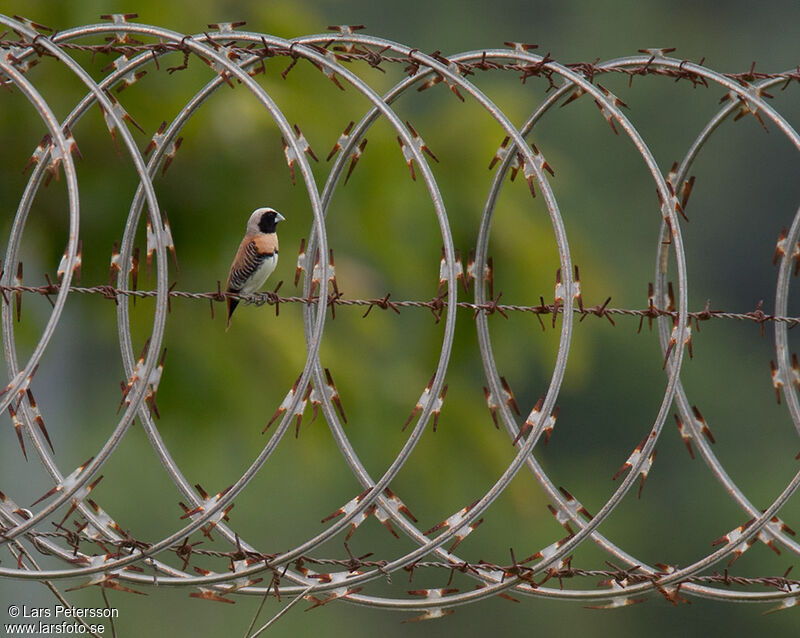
x=235, y=55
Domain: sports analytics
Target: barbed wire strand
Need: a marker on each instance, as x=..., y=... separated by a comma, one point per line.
x=435, y=305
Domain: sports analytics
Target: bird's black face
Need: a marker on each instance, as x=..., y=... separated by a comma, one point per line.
x=268, y=222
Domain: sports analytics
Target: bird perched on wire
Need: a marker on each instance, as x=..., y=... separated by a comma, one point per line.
x=256, y=258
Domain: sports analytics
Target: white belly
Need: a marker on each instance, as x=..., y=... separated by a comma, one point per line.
x=260, y=275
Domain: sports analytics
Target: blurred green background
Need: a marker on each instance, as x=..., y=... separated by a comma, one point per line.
x=219, y=389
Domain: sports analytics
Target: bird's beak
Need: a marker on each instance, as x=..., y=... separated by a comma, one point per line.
x=279, y=217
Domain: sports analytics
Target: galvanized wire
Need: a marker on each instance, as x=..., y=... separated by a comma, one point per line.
x=235, y=55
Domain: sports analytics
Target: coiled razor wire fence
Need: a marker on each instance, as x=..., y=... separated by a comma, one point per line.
x=102, y=552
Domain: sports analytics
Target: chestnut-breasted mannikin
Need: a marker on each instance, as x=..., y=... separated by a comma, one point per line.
x=256, y=258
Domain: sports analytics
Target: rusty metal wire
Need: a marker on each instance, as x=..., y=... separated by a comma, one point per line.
x=434, y=305
x=108, y=556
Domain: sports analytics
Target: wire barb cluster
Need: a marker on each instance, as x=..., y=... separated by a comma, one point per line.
x=98, y=550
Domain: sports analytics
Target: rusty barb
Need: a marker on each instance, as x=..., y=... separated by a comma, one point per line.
x=205, y=554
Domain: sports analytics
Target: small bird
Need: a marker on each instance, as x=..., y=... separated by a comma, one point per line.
x=256, y=258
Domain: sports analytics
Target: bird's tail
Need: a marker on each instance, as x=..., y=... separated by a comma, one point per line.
x=232, y=303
